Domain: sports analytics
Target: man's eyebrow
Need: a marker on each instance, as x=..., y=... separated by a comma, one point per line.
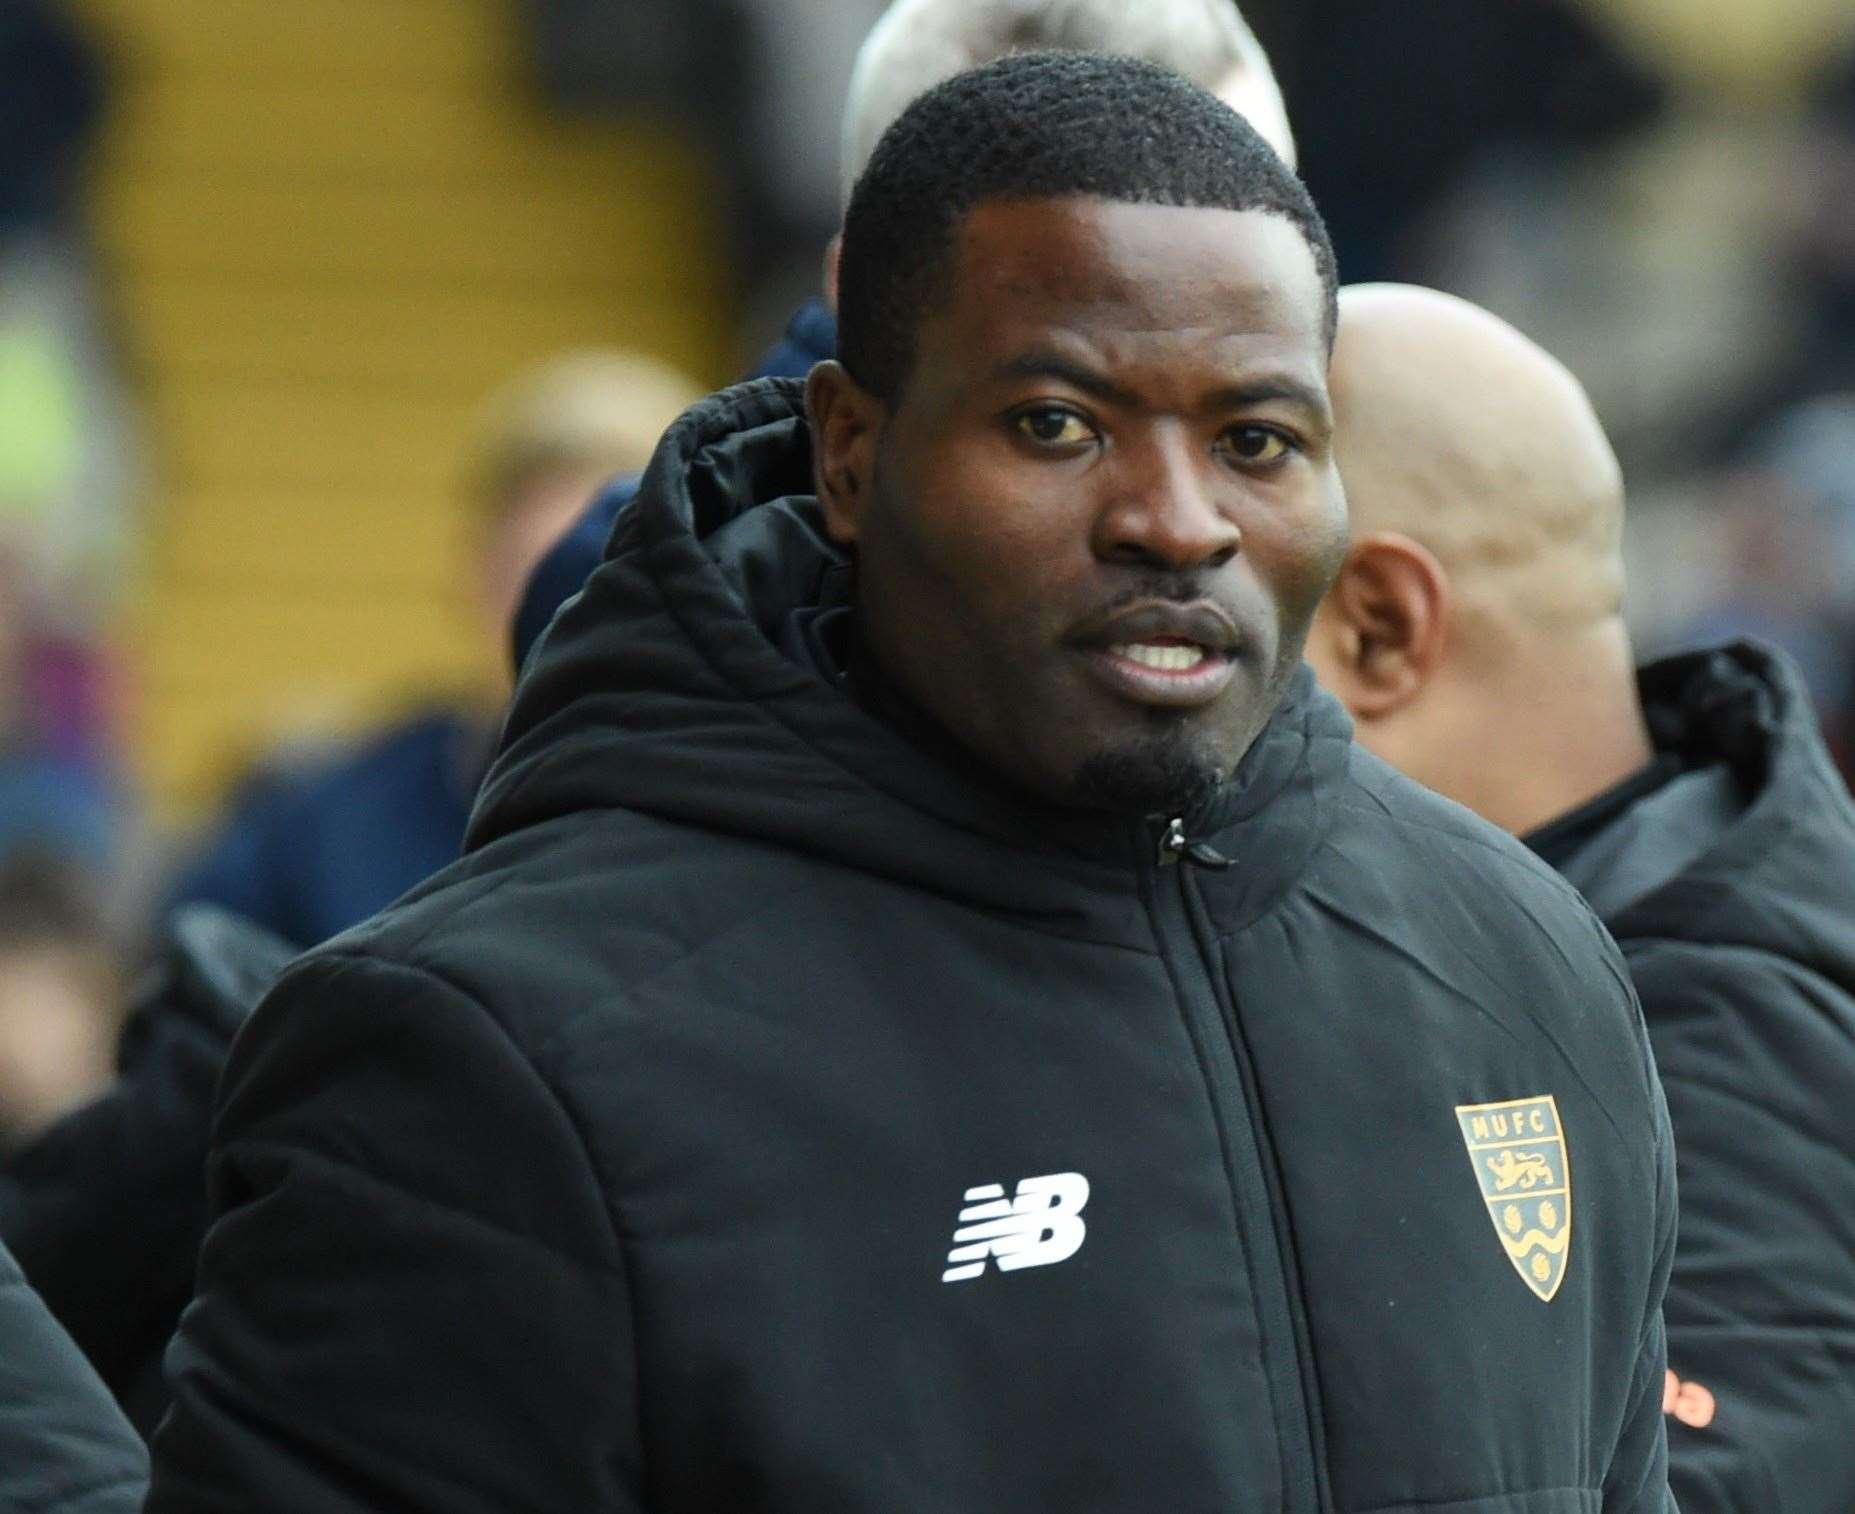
x=1274, y=386
x=1040, y=363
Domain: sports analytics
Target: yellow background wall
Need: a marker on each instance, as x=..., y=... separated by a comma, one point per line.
x=330, y=229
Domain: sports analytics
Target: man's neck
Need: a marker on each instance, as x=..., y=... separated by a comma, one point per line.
x=884, y=697
x=1568, y=727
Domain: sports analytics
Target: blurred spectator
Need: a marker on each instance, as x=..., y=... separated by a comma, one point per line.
x=51, y=96
x=64, y=469
x=60, y=989
x=310, y=847
x=105, y=1210
x=60, y=992
x=544, y=446
x=53, y=798
x=59, y=957
x=1814, y=239
x=1786, y=513
x=1827, y=245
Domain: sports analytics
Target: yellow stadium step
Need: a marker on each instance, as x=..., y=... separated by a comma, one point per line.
x=300, y=540
x=386, y=133
x=334, y=229
x=452, y=42
x=321, y=637
x=250, y=436
x=493, y=235
x=437, y=339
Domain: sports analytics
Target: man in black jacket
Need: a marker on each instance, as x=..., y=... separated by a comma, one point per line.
x=936, y=1013
x=1476, y=634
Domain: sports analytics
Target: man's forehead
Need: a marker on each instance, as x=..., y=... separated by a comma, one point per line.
x=1198, y=268
x=1110, y=280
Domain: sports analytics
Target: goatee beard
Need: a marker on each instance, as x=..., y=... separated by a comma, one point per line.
x=1159, y=777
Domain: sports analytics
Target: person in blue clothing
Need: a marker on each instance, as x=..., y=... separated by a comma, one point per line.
x=312, y=845
x=914, y=46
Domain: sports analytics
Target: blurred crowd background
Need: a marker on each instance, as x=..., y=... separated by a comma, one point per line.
x=318, y=320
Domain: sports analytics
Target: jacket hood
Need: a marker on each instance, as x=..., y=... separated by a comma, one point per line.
x=810, y=337
x=1780, y=878
x=662, y=688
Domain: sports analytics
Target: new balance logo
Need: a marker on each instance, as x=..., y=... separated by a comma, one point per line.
x=1040, y=1224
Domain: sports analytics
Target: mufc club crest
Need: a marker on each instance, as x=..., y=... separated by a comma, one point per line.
x=1518, y=1151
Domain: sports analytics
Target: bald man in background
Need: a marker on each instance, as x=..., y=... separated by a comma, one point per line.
x=1476, y=634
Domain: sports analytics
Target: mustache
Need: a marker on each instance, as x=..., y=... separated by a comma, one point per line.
x=1170, y=588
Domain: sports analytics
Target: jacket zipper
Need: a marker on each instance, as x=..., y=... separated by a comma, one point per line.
x=1175, y=846
x=1186, y=944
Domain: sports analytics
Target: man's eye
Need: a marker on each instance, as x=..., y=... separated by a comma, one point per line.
x=1256, y=444
x=1055, y=428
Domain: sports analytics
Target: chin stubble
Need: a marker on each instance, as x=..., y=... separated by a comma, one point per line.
x=1159, y=776
x=1167, y=772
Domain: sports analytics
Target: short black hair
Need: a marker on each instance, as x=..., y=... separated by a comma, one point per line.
x=1032, y=126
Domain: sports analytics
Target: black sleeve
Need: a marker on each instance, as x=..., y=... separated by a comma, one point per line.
x=1638, y=1479
x=411, y=1295
x=1758, y=1059
x=64, y=1446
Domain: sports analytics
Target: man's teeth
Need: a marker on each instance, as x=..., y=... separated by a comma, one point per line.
x=1167, y=657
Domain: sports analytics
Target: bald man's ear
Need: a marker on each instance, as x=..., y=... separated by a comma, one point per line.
x=846, y=423
x=1383, y=627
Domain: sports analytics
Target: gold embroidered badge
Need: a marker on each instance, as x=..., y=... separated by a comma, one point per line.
x=1518, y=1150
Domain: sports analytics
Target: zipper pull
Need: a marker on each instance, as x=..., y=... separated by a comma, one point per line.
x=1172, y=843
x=1175, y=845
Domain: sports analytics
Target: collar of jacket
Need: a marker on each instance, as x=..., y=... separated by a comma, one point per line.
x=1780, y=879
x=662, y=689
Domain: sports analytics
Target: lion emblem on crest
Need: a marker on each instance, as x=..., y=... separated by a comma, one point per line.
x=1522, y=1170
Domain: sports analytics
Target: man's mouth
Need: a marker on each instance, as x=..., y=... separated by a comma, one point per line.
x=1165, y=672
x=1163, y=653
x=1162, y=656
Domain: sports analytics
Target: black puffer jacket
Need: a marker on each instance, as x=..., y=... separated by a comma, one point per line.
x=1732, y=892
x=64, y=1446
x=764, y=1116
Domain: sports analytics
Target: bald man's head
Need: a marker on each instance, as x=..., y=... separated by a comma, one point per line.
x=1475, y=628
x=1456, y=430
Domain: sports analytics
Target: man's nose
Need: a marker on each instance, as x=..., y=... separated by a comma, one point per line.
x=1166, y=512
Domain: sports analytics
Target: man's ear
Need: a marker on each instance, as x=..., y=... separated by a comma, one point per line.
x=1384, y=625
x=845, y=423
x=833, y=255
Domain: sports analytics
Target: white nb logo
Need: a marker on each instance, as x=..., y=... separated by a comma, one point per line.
x=1041, y=1224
